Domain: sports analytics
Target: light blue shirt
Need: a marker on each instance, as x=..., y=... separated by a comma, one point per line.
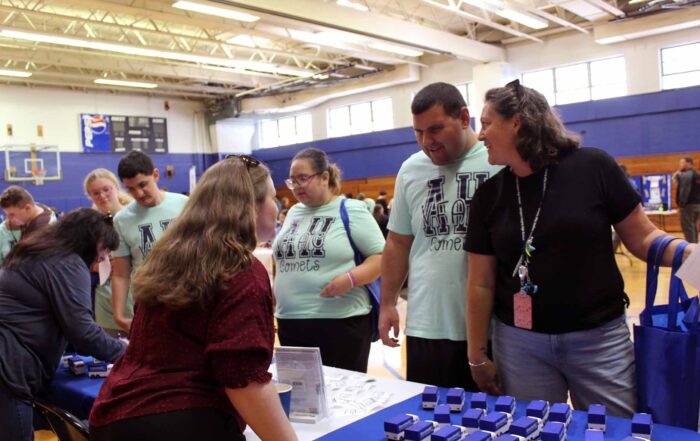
x=432, y=204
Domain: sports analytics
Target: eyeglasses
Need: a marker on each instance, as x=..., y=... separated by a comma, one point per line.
x=299, y=181
x=249, y=161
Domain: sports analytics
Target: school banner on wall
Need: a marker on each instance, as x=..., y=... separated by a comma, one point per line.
x=120, y=134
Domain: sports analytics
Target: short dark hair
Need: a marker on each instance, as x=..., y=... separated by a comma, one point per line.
x=79, y=232
x=321, y=163
x=15, y=196
x=688, y=159
x=134, y=163
x=542, y=137
x=444, y=94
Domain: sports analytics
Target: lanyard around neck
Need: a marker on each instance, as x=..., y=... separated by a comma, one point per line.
x=521, y=268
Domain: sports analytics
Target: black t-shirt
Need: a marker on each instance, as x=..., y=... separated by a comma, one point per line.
x=580, y=286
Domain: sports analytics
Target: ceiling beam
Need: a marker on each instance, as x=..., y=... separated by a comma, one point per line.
x=375, y=26
x=639, y=27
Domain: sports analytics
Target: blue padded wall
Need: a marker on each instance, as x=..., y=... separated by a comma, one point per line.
x=68, y=193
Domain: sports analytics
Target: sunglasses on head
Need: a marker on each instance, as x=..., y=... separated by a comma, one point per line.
x=249, y=161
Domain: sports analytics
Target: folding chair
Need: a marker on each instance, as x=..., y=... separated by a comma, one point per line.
x=64, y=424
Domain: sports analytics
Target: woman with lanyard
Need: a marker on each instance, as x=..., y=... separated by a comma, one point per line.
x=320, y=298
x=541, y=260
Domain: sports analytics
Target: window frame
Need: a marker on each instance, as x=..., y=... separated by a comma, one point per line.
x=662, y=75
x=298, y=137
x=348, y=110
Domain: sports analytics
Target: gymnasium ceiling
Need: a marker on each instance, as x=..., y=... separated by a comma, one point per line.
x=293, y=45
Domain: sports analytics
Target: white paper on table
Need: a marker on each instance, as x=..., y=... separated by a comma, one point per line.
x=105, y=270
x=690, y=270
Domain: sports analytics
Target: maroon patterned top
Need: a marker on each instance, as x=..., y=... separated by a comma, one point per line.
x=182, y=358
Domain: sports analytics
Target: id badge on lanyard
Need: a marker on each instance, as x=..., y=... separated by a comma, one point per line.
x=522, y=300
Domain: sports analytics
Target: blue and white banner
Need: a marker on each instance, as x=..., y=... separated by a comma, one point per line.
x=96, y=133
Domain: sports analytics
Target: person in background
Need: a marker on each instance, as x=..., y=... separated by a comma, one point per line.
x=44, y=305
x=348, y=195
x=381, y=200
x=368, y=201
x=139, y=225
x=23, y=217
x=687, y=181
x=381, y=218
x=428, y=222
x=202, y=335
x=103, y=189
x=280, y=220
x=541, y=260
x=320, y=298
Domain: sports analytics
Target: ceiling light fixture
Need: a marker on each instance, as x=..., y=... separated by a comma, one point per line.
x=248, y=40
x=145, y=52
x=125, y=83
x=15, y=73
x=349, y=4
x=524, y=19
x=396, y=49
x=215, y=10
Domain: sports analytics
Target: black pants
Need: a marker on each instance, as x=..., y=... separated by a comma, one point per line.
x=344, y=343
x=439, y=362
x=181, y=425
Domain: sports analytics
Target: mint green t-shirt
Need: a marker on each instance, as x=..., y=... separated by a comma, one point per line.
x=104, y=312
x=139, y=227
x=432, y=203
x=9, y=238
x=311, y=249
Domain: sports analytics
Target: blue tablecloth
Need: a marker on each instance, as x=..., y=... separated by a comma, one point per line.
x=371, y=428
x=73, y=393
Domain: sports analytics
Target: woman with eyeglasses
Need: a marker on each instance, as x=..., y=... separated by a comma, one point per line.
x=44, y=305
x=320, y=298
x=103, y=189
x=541, y=261
x=202, y=335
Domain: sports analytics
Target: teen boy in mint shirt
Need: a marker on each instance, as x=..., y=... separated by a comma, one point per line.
x=428, y=227
x=311, y=249
x=139, y=225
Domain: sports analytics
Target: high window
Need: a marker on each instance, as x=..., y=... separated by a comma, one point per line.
x=680, y=66
x=285, y=131
x=591, y=80
x=370, y=116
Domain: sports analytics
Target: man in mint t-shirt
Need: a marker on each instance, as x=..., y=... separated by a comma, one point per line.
x=427, y=232
x=139, y=225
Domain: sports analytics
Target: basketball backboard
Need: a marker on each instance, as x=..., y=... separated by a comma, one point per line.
x=28, y=162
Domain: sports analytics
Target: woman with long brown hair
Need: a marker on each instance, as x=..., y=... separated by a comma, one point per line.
x=202, y=335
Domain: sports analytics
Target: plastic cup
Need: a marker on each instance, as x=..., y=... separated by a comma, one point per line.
x=285, y=393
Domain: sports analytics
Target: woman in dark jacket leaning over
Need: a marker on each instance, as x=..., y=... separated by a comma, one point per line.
x=44, y=304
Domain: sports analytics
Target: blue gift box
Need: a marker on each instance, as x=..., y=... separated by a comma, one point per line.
x=442, y=414
x=553, y=431
x=560, y=413
x=494, y=422
x=479, y=401
x=430, y=397
x=524, y=426
x=507, y=437
x=420, y=431
x=455, y=399
x=642, y=425
x=448, y=433
x=471, y=418
x=505, y=404
x=538, y=409
x=394, y=427
x=596, y=417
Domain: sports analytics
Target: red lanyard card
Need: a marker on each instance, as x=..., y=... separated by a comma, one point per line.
x=522, y=310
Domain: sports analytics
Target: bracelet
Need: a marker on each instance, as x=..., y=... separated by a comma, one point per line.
x=477, y=364
x=353, y=282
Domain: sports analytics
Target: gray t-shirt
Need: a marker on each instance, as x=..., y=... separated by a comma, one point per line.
x=44, y=305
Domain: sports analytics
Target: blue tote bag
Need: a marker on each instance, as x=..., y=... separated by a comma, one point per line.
x=667, y=348
x=372, y=288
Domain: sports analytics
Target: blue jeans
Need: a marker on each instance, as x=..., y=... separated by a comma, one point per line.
x=595, y=366
x=16, y=417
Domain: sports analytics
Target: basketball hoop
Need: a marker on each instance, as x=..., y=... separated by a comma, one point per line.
x=39, y=175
